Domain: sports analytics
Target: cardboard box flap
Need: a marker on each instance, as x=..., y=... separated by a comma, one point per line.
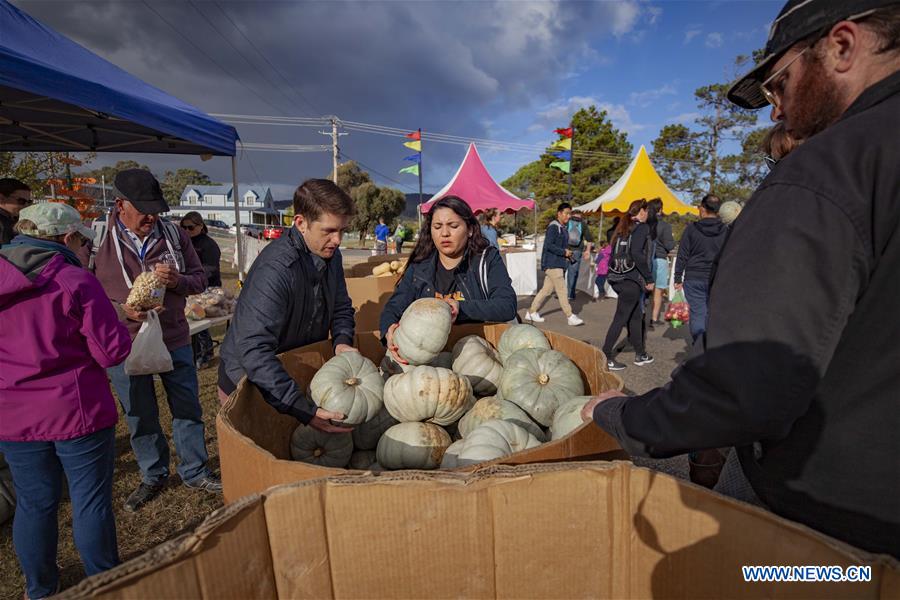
x=596, y=530
x=200, y=564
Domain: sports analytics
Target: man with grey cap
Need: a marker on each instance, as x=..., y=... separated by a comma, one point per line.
x=799, y=369
x=136, y=240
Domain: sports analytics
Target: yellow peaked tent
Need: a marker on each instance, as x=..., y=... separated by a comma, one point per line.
x=640, y=180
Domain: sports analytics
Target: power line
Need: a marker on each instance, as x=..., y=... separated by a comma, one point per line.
x=241, y=54
x=442, y=138
x=268, y=62
x=211, y=59
x=285, y=147
x=370, y=169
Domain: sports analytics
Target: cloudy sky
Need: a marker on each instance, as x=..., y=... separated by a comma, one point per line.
x=508, y=71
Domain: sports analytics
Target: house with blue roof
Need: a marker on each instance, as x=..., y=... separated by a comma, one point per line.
x=214, y=202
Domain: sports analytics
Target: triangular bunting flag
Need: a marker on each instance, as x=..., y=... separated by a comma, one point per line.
x=564, y=166
x=412, y=170
x=417, y=145
x=567, y=132
x=415, y=135
x=414, y=158
x=564, y=144
x=567, y=155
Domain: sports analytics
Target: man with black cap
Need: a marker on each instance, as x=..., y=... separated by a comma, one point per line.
x=136, y=240
x=799, y=369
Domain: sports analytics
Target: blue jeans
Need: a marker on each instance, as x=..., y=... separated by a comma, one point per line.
x=601, y=285
x=138, y=399
x=696, y=293
x=37, y=469
x=572, y=272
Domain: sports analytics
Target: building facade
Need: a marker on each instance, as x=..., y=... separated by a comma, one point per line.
x=214, y=202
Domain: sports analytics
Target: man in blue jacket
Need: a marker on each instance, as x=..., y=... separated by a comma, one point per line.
x=555, y=259
x=700, y=245
x=295, y=294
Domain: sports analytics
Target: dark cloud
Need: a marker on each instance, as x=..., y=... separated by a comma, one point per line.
x=443, y=66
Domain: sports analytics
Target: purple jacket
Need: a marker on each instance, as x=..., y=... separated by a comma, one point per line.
x=58, y=334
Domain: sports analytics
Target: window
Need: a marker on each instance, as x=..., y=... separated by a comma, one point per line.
x=192, y=198
x=250, y=199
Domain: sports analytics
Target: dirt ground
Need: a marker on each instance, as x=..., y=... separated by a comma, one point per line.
x=179, y=509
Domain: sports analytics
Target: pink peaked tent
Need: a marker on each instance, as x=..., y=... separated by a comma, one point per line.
x=475, y=185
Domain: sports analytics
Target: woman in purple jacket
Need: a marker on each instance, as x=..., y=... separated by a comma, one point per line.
x=58, y=334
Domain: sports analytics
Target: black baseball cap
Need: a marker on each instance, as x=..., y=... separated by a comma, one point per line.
x=141, y=188
x=797, y=20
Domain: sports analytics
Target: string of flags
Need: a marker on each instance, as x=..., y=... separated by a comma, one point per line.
x=564, y=147
x=415, y=144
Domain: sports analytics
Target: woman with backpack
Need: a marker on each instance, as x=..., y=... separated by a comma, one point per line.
x=452, y=261
x=629, y=275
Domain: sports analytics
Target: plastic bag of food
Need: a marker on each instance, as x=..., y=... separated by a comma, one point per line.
x=678, y=313
x=149, y=354
x=147, y=292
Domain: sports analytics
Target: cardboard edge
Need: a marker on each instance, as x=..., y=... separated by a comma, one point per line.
x=169, y=553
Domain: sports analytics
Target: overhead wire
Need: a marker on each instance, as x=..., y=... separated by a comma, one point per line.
x=203, y=52
x=261, y=72
x=267, y=61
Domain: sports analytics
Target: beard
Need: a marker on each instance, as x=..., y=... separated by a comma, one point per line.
x=818, y=102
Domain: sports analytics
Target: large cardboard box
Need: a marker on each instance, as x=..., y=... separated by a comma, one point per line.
x=369, y=295
x=571, y=530
x=254, y=438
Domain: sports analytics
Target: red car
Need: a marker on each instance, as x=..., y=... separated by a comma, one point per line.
x=272, y=232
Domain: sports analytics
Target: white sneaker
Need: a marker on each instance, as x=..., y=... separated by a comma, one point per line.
x=574, y=320
x=534, y=317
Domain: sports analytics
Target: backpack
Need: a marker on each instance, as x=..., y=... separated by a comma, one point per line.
x=575, y=232
x=620, y=259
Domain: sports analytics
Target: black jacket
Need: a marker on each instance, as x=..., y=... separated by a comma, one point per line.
x=700, y=244
x=275, y=313
x=640, y=254
x=210, y=255
x=802, y=350
x=483, y=281
x=556, y=242
x=665, y=241
x=7, y=223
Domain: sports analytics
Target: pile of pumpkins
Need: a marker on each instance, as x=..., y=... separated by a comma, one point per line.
x=444, y=409
x=386, y=269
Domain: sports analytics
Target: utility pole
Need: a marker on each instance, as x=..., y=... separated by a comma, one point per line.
x=334, y=145
x=420, y=181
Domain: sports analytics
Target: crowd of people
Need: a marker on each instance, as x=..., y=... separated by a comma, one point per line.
x=789, y=388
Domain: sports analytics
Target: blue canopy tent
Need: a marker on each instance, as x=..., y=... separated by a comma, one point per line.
x=56, y=95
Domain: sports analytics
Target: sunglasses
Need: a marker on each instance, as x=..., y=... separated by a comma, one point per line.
x=190, y=227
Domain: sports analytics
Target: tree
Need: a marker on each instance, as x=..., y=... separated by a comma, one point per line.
x=678, y=159
x=722, y=121
x=373, y=202
x=349, y=176
x=747, y=169
x=174, y=183
x=610, y=153
x=36, y=168
x=108, y=173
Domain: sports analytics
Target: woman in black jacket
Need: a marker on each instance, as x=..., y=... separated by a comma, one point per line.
x=629, y=275
x=206, y=247
x=453, y=261
x=209, y=253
